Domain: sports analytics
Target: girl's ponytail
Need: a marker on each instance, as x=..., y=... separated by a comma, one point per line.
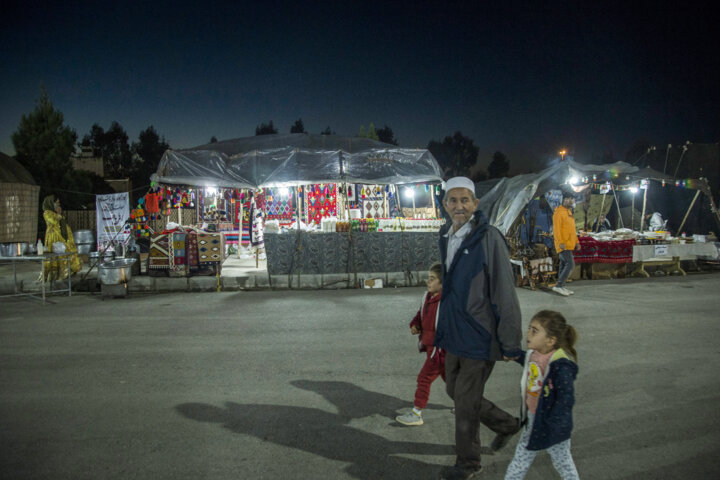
x=568, y=341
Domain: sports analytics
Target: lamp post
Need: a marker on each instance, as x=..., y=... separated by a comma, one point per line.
x=562, y=155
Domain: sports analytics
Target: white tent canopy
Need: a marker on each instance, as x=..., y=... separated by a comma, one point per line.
x=503, y=200
x=296, y=159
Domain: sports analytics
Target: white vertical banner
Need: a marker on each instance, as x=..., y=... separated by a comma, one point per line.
x=113, y=211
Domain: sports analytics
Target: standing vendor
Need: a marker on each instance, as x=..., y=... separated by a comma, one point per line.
x=58, y=231
x=566, y=241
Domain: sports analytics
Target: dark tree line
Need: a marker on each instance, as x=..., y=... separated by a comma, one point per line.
x=136, y=161
x=44, y=145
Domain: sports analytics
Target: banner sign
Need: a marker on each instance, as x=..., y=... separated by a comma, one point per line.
x=661, y=250
x=113, y=211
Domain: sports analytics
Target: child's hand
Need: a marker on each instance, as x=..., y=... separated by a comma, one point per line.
x=414, y=330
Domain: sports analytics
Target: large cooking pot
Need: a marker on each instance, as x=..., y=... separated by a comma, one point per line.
x=84, y=248
x=84, y=241
x=83, y=236
x=115, y=272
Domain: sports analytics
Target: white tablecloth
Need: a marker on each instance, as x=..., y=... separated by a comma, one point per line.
x=688, y=251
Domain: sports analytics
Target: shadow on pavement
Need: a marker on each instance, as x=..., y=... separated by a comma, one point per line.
x=356, y=402
x=327, y=434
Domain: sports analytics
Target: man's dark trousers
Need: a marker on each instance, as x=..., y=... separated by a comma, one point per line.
x=466, y=386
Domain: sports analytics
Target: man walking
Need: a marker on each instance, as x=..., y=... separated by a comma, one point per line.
x=479, y=323
x=565, y=242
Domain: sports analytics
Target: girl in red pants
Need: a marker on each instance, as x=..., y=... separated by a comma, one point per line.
x=424, y=324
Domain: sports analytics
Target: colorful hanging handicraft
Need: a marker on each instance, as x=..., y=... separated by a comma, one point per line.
x=278, y=207
x=321, y=202
x=372, y=202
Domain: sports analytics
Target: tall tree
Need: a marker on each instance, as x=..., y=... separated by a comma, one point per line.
x=147, y=152
x=327, y=131
x=362, y=133
x=266, y=129
x=213, y=139
x=455, y=154
x=44, y=144
x=371, y=133
x=114, y=147
x=499, y=166
x=386, y=135
x=298, y=126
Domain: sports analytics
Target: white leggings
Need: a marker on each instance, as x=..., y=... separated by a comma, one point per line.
x=559, y=454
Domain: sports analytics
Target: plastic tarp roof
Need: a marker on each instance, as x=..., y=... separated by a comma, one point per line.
x=306, y=159
x=503, y=200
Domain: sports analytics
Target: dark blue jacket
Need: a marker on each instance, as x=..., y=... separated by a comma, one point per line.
x=479, y=314
x=553, y=418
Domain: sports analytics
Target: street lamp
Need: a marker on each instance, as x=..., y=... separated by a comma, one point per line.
x=562, y=154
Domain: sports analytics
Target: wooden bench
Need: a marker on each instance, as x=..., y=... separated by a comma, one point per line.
x=669, y=266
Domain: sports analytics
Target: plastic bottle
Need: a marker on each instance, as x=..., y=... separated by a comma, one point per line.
x=40, y=248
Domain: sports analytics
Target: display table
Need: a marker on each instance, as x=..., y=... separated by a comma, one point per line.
x=669, y=256
x=350, y=252
x=40, y=259
x=612, y=251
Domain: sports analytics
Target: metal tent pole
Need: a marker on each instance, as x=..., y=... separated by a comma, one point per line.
x=642, y=218
x=622, y=224
x=697, y=194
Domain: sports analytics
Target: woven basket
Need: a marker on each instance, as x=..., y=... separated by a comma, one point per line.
x=19, y=204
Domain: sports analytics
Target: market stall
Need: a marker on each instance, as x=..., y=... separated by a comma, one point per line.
x=526, y=218
x=298, y=191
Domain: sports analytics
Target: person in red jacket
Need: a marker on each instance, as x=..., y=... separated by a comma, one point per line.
x=424, y=325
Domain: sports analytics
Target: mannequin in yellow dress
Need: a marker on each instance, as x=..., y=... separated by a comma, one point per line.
x=57, y=230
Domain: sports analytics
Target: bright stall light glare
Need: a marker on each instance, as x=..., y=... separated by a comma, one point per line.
x=409, y=193
x=210, y=192
x=284, y=192
x=633, y=189
x=573, y=180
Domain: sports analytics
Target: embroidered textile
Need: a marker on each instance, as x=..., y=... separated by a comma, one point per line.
x=210, y=248
x=614, y=251
x=178, y=264
x=373, y=208
x=321, y=201
x=159, y=257
x=191, y=249
x=278, y=207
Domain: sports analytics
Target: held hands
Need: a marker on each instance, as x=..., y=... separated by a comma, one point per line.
x=577, y=247
x=562, y=246
x=507, y=359
x=414, y=330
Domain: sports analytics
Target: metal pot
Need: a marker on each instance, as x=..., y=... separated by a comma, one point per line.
x=83, y=236
x=84, y=248
x=16, y=249
x=115, y=272
x=84, y=241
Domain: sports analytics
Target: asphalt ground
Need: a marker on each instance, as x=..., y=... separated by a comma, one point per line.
x=306, y=385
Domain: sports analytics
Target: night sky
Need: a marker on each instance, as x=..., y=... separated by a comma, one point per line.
x=527, y=81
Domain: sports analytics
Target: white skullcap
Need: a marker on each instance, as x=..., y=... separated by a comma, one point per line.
x=459, y=182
